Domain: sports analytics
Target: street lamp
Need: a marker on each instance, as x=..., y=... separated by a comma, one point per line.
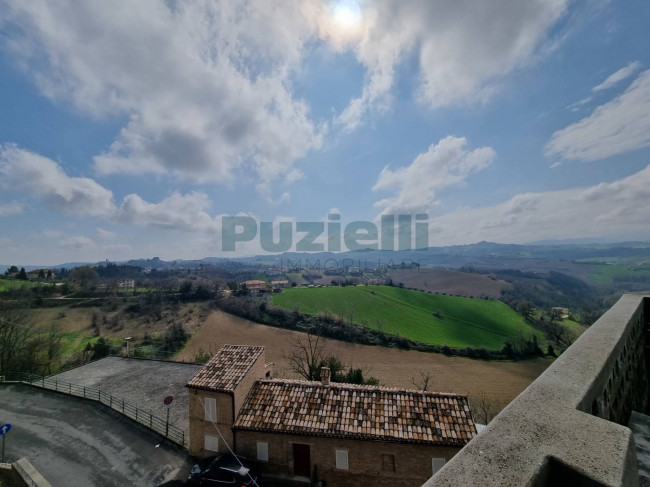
x=127, y=345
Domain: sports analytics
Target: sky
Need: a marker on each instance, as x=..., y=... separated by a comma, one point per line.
x=131, y=129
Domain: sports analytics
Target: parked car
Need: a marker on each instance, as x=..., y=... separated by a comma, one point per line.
x=223, y=469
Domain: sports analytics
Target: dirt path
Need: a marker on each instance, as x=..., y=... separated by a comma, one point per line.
x=501, y=381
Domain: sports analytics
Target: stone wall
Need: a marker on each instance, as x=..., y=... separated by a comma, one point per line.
x=567, y=426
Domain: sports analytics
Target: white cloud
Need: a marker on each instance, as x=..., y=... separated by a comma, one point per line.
x=44, y=178
x=53, y=233
x=105, y=234
x=27, y=171
x=618, y=126
x=179, y=212
x=77, y=242
x=618, y=76
x=205, y=85
x=464, y=48
x=12, y=208
x=445, y=164
x=619, y=207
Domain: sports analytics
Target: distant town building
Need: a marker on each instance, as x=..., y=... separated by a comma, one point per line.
x=256, y=285
x=279, y=284
x=342, y=434
x=126, y=284
x=564, y=312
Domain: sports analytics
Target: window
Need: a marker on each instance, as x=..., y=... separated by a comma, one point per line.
x=388, y=463
x=342, y=459
x=211, y=443
x=437, y=464
x=262, y=451
x=210, y=409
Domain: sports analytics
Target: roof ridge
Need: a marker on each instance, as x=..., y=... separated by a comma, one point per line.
x=365, y=387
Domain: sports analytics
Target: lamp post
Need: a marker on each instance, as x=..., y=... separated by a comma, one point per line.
x=127, y=345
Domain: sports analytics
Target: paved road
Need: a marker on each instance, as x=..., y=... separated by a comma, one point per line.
x=77, y=443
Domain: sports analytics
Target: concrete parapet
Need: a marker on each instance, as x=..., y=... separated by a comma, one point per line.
x=566, y=427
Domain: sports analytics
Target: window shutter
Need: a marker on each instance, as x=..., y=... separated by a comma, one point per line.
x=211, y=443
x=262, y=451
x=437, y=464
x=342, y=459
x=210, y=409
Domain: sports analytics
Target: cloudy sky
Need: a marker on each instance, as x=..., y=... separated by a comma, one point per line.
x=128, y=129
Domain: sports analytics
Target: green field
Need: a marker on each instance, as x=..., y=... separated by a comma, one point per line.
x=461, y=322
x=6, y=284
x=607, y=273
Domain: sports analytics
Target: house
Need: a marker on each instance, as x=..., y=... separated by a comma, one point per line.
x=563, y=312
x=256, y=286
x=126, y=284
x=341, y=434
x=280, y=284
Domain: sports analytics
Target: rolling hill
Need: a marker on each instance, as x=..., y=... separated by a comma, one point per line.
x=420, y=316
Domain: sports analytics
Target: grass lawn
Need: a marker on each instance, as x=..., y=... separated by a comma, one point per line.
x=606, y=273
x=6, y=284
x=462, y=321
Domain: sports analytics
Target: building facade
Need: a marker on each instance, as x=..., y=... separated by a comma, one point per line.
x=341, y=434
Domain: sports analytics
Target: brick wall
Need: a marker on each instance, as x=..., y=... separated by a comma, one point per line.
x=199, y=427
x=227, y=405
x=366, y=463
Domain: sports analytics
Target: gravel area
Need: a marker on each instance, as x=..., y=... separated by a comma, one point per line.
x=143, y=383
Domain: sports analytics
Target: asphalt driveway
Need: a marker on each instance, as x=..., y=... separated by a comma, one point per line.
x=78, y=443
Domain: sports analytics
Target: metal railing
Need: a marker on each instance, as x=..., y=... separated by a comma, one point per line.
x=141, y=416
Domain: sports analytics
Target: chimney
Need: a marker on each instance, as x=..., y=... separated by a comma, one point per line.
x=325, y=375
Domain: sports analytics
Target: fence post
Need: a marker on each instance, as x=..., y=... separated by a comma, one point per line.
x=56, y=385
x=111, y=400
x=122, y=406
x=43, y=382
x=150, y=420
x=100, y=395
x=70, y=388
x=84, y=392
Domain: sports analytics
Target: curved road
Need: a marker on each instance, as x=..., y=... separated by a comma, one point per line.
x=77, y=443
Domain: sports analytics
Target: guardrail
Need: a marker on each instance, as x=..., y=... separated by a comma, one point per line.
x=141, y=416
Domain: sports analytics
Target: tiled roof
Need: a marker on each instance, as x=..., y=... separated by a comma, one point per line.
x=361, y=412
x=226, y=369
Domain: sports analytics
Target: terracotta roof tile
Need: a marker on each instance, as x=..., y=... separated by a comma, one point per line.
x=226, y=369
x=362, y=412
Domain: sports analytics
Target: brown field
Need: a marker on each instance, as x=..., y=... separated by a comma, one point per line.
x=69, y=319
x=450, y=282
x=501, y=381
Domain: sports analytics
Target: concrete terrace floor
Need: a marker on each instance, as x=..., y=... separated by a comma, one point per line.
x=143, y=383
x=73, y=442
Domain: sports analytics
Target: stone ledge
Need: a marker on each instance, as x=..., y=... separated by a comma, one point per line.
x=548, y=431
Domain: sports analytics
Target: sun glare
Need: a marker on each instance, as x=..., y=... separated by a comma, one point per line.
x=347, y=13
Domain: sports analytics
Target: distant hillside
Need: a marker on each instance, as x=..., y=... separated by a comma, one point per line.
x=420, y=316
x=450, y=282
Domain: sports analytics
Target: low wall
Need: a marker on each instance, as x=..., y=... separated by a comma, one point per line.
x=21, y=473
x=567, y=428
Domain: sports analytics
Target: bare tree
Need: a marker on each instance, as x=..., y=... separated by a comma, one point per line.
x=483, y=408
x=423, y=382
x=306, y=356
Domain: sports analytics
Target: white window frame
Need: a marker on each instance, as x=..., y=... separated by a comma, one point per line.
x=342, y=462
x=211, y=443
x=263, y=451
x=210, y=405
x=437, y=464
